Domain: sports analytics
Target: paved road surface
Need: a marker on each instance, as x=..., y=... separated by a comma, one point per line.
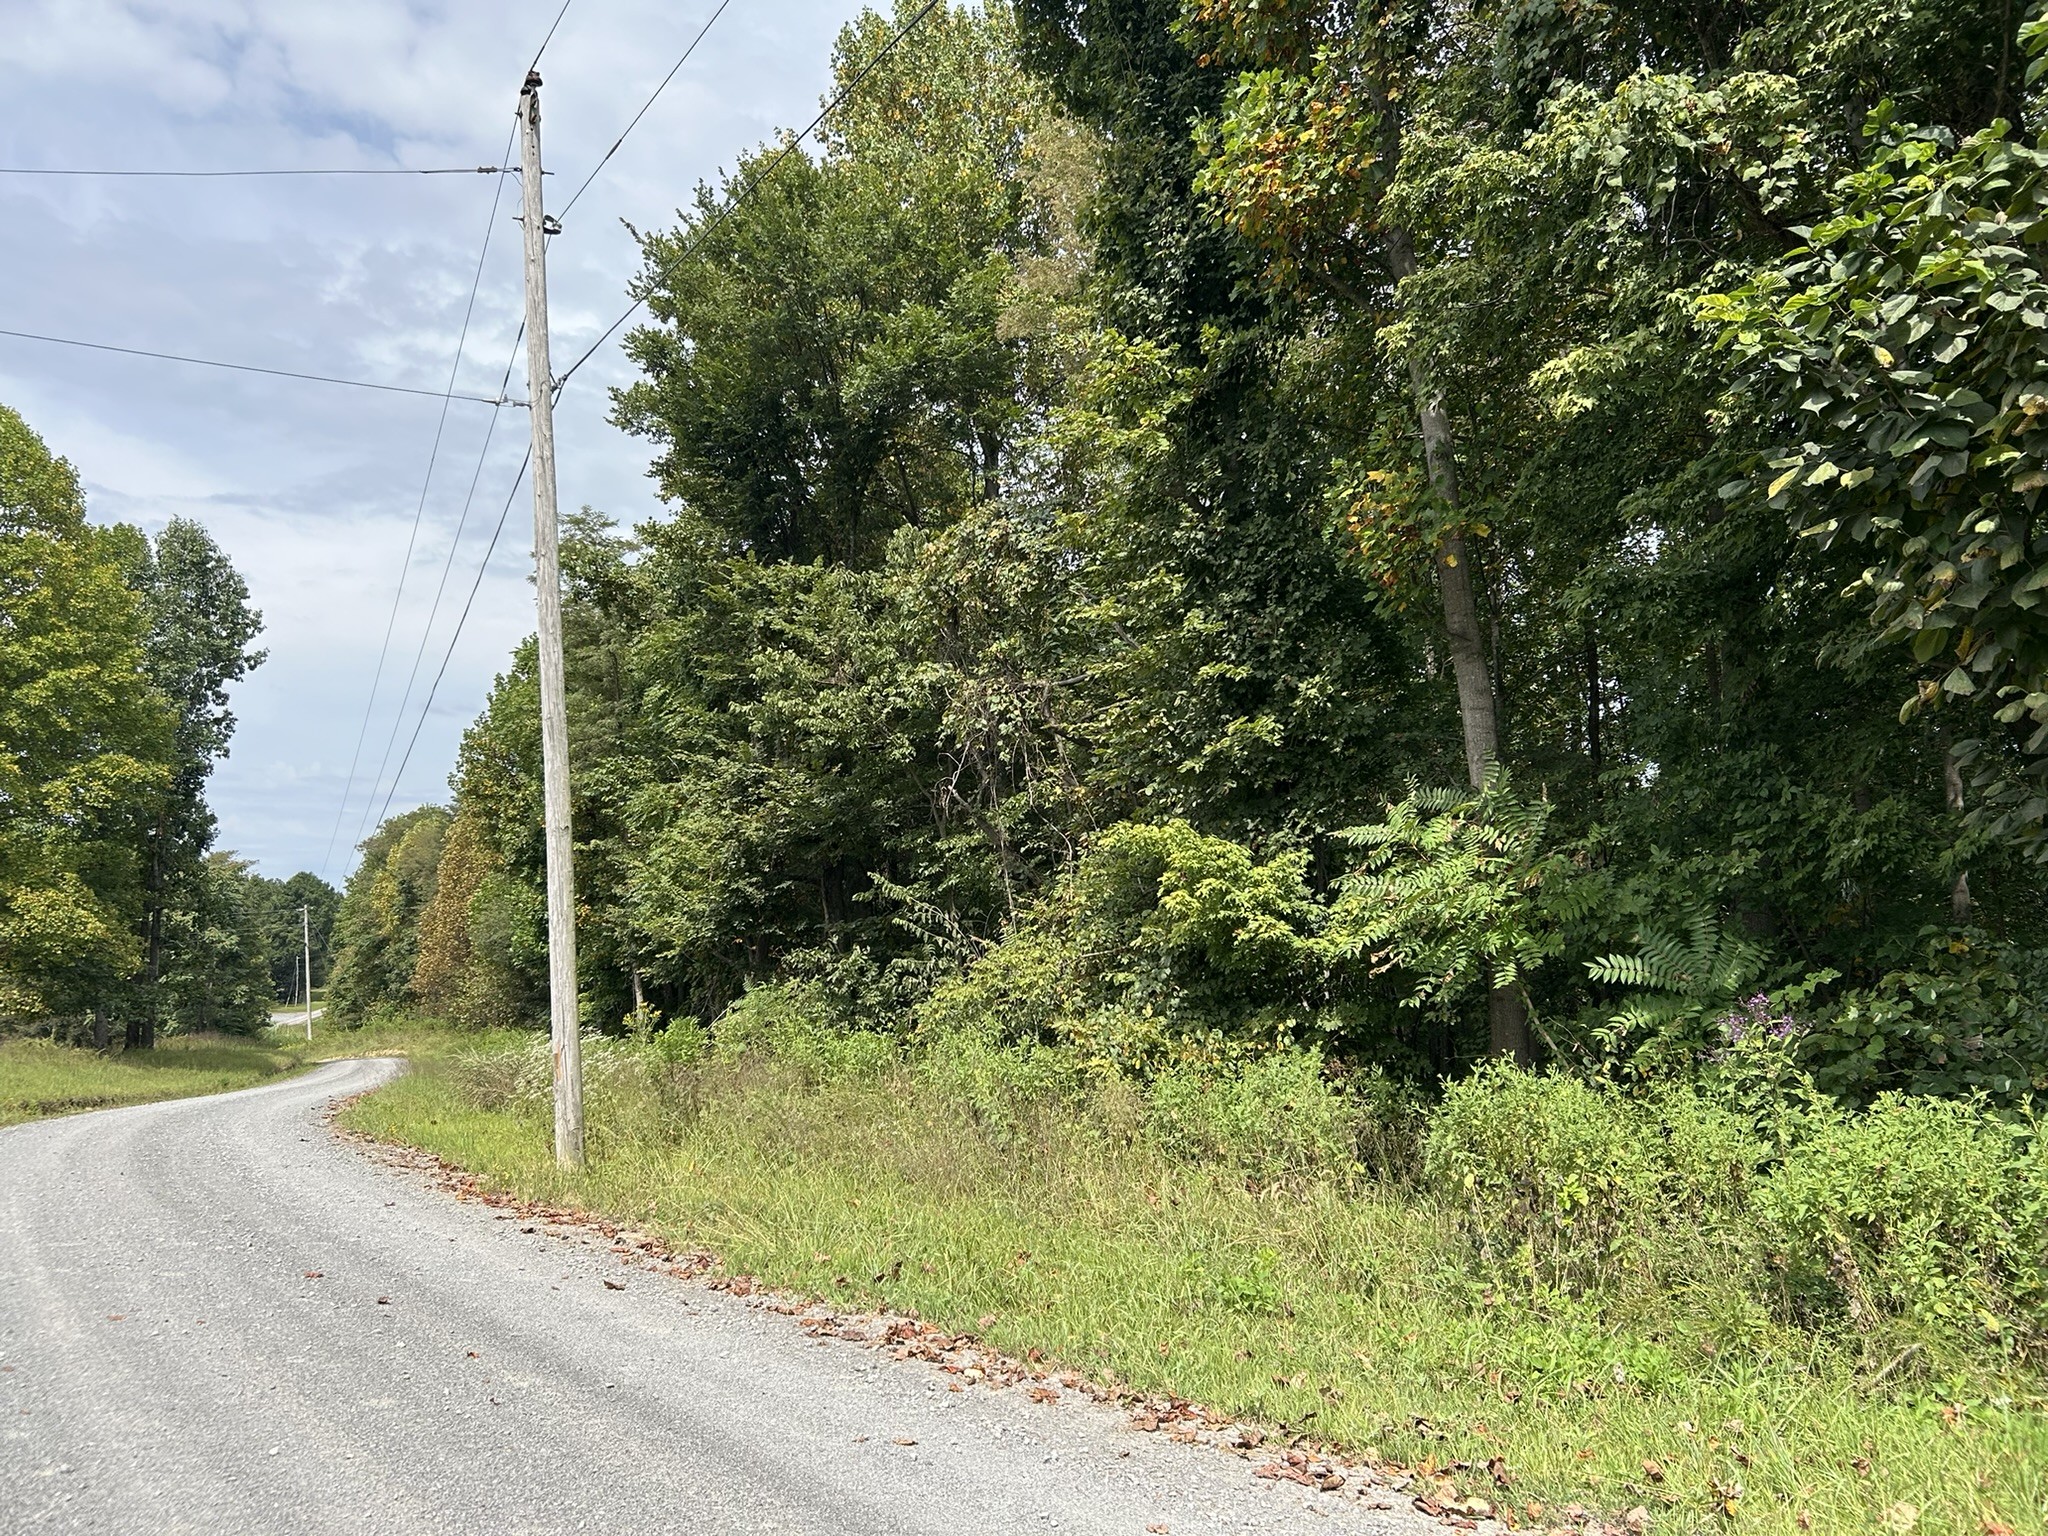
x=166, y=1367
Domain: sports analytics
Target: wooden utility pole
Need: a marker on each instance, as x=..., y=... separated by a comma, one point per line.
x=563, y=1017
x=306, y=927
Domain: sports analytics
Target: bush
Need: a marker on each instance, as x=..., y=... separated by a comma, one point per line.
x=1920, y=1220
x=795, y=1024
x=1001, y=1085
x=1970, y=1018
x=1563, y=1179
x=1269, y=1117
x=1162, y=944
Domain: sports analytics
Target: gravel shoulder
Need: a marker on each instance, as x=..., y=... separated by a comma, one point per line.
x=216, y=1315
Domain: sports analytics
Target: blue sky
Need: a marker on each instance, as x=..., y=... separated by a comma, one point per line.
x=312, y=489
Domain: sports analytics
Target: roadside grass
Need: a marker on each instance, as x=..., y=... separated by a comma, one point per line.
x=39, y=1079
x=416, y=1038
x=1342, y=1315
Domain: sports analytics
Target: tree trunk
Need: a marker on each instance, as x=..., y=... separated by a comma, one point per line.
x=141, y=1032
x=100, y=1038
x=1952, y=785
x=1507, y=1016
x=1593, y=705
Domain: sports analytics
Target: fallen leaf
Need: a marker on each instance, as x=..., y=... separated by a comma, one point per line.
x=115, y=1317
x=314, y=1274
x=1044, y=1395
x=1637, y=1519
x=1901, y=1517
x=903, y=1440
x=1158, y=1529
x=1654, y=1471
x=615, y=1285
x=383, y=1301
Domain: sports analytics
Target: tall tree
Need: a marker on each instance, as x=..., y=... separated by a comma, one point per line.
x=200, y=626
x=82, y=739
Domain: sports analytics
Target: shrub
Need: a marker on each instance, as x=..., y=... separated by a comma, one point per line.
x=1000, y=1084
x=1562, y=1179
x=795, y=1024
x=1969, y=1018
x=1161, y=944
x=1918, y=1219
x=1269, y=1117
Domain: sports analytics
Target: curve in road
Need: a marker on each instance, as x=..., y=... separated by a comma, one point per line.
x=217, y=1316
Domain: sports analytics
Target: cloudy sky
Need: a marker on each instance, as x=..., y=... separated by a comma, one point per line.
x=313, y=489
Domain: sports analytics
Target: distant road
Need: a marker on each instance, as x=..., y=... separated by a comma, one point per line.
x=168, y=1364
x=282, y=1016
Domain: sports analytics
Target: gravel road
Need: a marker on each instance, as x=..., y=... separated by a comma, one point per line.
x=168, y=1365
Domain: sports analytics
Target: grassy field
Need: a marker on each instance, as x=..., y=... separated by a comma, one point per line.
x=1340, y=1315
x=38, y=1079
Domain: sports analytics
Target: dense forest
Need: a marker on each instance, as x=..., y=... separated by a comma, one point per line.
x=1416, y=531
x=118, y=916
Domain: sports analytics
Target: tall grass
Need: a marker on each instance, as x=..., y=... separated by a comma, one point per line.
x=1175, y=1240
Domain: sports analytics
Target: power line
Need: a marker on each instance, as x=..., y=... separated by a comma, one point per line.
x=705, y=231
x=276, y=373
x=370, y=708
x=462, y=619
x=679, y=63
x=543, y=48
x=434, y=609
x=405, y=568
x=447, y=170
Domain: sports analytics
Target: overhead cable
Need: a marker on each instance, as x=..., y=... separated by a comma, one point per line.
x=543, y=48
x=276, y=373
x=482, y=566
x=412, y=538
x=705, y=231
x=679, y=63
x=398, y=170
x=434, y=609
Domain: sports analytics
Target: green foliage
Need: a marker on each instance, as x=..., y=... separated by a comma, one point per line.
x=1969, y=1017
x=1566, y=1183
x=1917, y=1223
x=1269, y=1117
x=1904, y=345
x=217, y=941
x=1451, y=890
x=802, y=1026
x=377, y=928
x=1037, y=641
x=83, y=740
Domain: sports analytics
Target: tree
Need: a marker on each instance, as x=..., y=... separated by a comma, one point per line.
x=377, y=926
x=200, y=626
x=218, y=952
x=82, y=739
x=280, y=904
x=1903, y=350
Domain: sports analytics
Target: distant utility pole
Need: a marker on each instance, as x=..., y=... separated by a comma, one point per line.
x=554, y=711
x=306, y=927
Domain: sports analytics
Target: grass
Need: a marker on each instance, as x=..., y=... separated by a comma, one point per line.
x=1345, y=1315
x=39, y=1079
